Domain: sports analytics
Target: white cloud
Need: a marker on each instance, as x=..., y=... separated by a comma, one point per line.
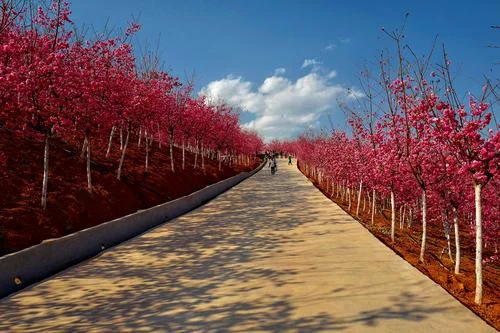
x=279, y=71
x=273, y=84
x=332, y=74
x=235, y=91
x=330, y=47
x=282, y=107
x=310, y=62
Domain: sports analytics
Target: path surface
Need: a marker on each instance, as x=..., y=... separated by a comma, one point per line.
x=272, y=254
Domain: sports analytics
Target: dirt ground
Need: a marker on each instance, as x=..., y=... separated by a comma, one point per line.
x=437, y=266
x=70, y=206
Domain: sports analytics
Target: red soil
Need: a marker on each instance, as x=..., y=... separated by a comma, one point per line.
x=437, y=267
x=70, y=207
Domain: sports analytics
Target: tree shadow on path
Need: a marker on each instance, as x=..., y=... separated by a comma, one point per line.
x=203, y=272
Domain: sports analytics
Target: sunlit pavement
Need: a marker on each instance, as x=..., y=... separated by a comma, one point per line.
x=272, y=254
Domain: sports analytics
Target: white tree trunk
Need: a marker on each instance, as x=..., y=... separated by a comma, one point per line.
x=446, y=226
x=110, y=140
x=424, y=225
x=197, y=149
x=219, y=157
x=84, y=148
x=45, y=172
x=369, y=202
x=393, y=215
x=349, y=197
x=479, y=244
x=89, y=175
x=140, y=136
x=183, y=154
x=373, y=206
x=120, y=165
x=457, y=241
x=359, y=197
x=121, y=139
x=404, y=216
x=401, y=217
x=202, y=157
x=171, y=143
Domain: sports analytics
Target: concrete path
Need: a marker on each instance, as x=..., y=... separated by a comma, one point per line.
x=272, y=254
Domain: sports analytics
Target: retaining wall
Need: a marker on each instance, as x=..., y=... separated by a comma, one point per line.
x=20, y=269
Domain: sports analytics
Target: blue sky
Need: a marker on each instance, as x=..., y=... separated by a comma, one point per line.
x=286, y=62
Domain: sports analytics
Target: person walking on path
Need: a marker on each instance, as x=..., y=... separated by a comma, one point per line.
x=272, y=165
x=289, y=159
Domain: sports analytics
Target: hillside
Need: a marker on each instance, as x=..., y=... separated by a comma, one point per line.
x=71, y=207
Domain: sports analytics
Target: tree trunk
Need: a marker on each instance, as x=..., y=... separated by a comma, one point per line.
x=424, y=225
x=202, y=157
x=140, y=136
x=110, y=140
x=359, y=197
x=89, y=175
x=197, y=149
x=119, y=173
x=84, y=148
x=479, y=244
x=45, y=172
x=121, y=139
x=171, y=143
x=349, y=197
x=401, y=217
x=393, y=215
x=369, y=202
x=446, y=226
x=410, y=218
x=373, y=207
x=457, y=241
x=404, y=215
x=183, y=154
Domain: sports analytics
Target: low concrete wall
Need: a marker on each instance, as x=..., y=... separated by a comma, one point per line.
x=20, y=269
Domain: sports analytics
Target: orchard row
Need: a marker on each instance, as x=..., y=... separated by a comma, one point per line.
x=55, y=83
x=415, y=145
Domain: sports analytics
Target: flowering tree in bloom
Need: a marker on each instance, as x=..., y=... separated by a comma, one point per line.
x=423, y=137
x=52, y=84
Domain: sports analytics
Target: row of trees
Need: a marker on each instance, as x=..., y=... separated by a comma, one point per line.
x=415, y=144
x=55, y=83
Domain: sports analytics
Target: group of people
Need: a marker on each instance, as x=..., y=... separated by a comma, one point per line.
x=273, y=165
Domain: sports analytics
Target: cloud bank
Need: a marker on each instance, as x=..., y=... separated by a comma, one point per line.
x=282, y=107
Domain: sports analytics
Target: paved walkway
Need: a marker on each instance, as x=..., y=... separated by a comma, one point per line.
x=272, y=254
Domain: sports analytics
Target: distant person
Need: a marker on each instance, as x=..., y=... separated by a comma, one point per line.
x=272, y=164
x=289, y=159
